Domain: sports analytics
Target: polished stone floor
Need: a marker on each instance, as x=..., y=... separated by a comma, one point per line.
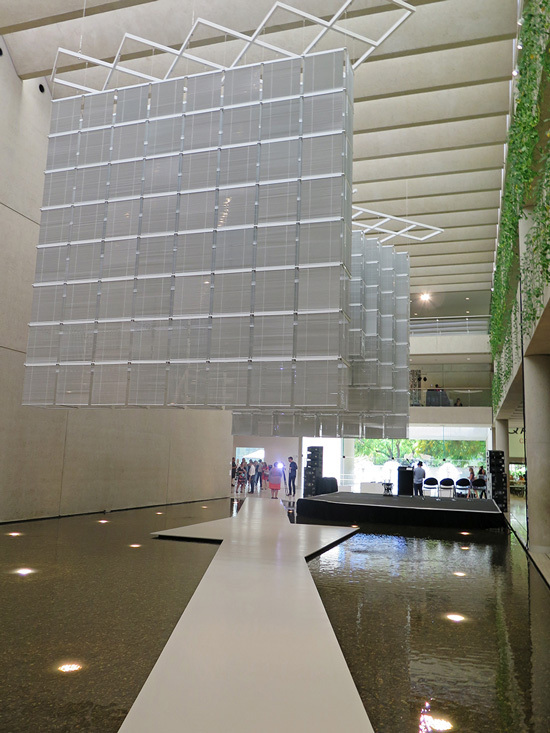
x=518, y=516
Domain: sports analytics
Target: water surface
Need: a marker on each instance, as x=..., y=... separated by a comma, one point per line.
x=388, y=593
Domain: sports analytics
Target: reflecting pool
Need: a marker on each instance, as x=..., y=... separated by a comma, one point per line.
x=441, y=630
x=83, y=629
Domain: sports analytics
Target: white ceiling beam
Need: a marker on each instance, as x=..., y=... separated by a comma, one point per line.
x=488, y=157
x=449, y=184
x=443, y=136
x=475, y=268
x=463, y=248
x=455, y=278
x=455, y=67
x=427, y=107
x=25, y=14
x=418, y=206
x=447, y=259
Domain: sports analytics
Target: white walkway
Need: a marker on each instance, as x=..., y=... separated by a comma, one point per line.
x=254, y=651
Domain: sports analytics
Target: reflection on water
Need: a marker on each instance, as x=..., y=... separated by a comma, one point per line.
x=436, y=636
x=96, y=602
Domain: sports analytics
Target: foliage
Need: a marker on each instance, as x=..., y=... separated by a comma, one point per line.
x=465, y=452
x=535, y=270
x=509, y=356
x=534, y=64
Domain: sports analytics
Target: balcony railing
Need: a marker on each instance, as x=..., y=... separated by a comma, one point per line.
x=449, y=397
x=437, y=326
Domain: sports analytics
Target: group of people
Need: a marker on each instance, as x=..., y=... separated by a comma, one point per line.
x=478, y=490
x=254, y=475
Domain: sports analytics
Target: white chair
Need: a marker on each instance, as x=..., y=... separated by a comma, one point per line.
x=447, y=484
x=431, y=485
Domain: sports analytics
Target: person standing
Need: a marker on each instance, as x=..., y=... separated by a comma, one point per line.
x=251, y=477
x=233, y=472
x=292, y=470
x=259, y=474
x=482, y=474
x=275, y=475
x=419, y=475
x=241, y=477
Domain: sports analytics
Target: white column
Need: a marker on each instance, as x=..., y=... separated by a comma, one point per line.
x=348, y=459
x=537, y=449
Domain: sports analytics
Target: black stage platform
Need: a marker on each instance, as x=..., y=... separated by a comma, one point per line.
x=422, y=511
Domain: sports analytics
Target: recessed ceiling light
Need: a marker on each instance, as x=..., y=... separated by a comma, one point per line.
x=416, y=314
x=465, y=533
x=425, y=297
x=355, y=526
x=135, y=545
x=467, y=311
x=24, y=571
x=204, y=507
x=103, y=521
x=464, y=547
x=467, y=298
x=70, y=667
x=459, y=574
x=456, y=617
x=160, y=512
x=15, y=534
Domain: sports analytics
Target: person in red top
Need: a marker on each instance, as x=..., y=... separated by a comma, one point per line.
x=275, y=475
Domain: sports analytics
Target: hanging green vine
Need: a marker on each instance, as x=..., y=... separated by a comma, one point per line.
x=509, y=356
x=535, y=264
x=534, y=64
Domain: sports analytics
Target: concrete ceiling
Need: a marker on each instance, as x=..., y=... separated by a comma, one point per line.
x=431, y=105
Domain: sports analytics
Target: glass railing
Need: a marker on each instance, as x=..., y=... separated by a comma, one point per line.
x=460, y=397
x=437, y=326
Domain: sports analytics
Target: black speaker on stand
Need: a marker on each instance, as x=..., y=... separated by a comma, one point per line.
x=497, y=481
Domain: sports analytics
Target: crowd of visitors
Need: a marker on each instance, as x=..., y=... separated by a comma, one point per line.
x=251, y=476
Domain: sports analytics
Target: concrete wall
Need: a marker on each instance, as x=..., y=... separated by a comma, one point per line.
x=69, y=461
x=456, y=343
x=465, y=416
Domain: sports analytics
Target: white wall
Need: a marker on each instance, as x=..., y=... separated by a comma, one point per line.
x=55, y=461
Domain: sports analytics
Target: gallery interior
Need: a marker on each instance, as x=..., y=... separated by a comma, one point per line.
x=313, y=232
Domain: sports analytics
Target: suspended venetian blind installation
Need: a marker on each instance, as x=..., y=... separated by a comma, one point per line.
x=377, y=396
x=195, y=242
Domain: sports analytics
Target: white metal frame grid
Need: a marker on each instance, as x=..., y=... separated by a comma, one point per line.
x=405, y=228
x=249, y=40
